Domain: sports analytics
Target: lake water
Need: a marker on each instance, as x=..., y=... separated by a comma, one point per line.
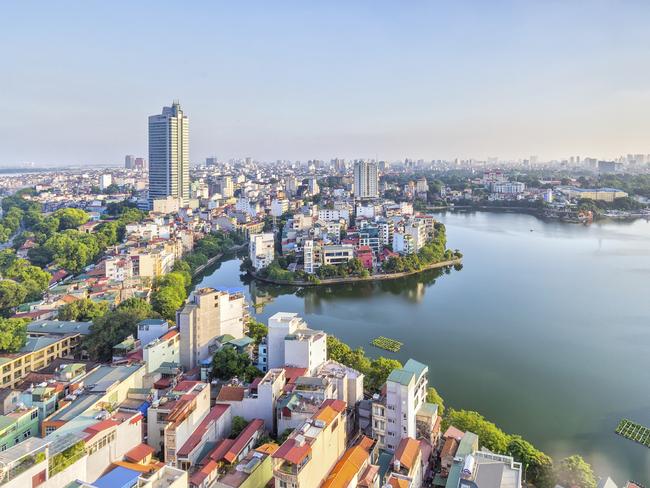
x=545, y=330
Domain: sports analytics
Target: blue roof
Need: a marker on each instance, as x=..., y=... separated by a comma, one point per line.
x=229, y=290
x=120, y=477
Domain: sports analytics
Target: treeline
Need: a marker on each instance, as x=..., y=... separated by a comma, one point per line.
x=58, y=239
x=432, y=252
x=539, y=468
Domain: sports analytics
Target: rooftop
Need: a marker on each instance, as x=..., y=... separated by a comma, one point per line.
x=59, y=327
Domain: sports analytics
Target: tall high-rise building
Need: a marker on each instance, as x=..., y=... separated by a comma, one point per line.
x=211, y=161
x=366, y=180
x=169, y=154
x=140, y=164
x=129, y=161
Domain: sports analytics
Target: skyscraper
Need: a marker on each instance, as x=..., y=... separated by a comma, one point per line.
x=365, y=179
x=169, y=154
x=129, y=161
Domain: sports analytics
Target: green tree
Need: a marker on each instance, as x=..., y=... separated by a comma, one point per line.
x=82, y=310
x=538, y=467
x=115, y=326
x=575, y=472
x=12, y=294
x=70, y=218
x=380, y=368
x=238, y=425
x=490, y=435
x=257, y=331
x=434, y=397
x=227, y=363
x=13, y=334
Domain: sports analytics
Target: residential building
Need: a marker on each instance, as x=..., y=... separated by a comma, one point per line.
x=291, y=343
x=261, y=250
x=489, y=470
x=17, y=426
x=366, y=179
x=406, y=465
x=129, y=161
x=311, y=451
x=173, y=418
x=213, y=428
x=207, y=315
x=38, y=352
x=355, y=468
x=165, y=477
x=394, y=415
x=169, y=154
x=255, y=470
x=337, y=254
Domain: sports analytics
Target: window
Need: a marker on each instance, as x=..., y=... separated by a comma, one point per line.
x=34, y=414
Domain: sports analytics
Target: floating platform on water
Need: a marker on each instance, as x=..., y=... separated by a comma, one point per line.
x=386, y=343
x=633, y=431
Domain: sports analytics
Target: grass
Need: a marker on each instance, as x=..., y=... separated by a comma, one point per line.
x=388, y=344
x=633, y=431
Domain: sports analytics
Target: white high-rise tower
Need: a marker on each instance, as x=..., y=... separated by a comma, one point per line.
x=169, y=155
x=366, y=181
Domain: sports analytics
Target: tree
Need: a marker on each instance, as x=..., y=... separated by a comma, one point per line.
x=227, y=363
x=115, y=326
x=380, y=368
x=71, y=218
x=82, y=310
x=490, y=435
x=33, y=279
x=12, y=294
x=13, y=334
x=538, y=467
x=575, y=472
x=257, y=331
x=238, y=424
x=166, y=301
x=434, y=397
x=285, y=435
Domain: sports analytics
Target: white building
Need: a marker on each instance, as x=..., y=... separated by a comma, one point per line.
x=261, y=250
x=151, y=329
x=207, y=315
x=311, y=258
x=291, y=343
x=366, y=179
x=165, y=349
x=105, y=181
x=279, y=207
x=394, y=416
x=169, y=154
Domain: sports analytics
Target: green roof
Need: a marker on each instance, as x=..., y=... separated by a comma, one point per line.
x=415, y=367
x=401, y=376
x=241, y=342
x=428, y=409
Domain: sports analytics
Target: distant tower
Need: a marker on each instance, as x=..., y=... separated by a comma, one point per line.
x=366, y=180
x=129, y=161
x=169, y=154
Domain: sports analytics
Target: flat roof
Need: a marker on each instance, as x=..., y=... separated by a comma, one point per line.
x=59, y=327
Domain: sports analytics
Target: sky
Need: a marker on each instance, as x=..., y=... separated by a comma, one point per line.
x=323, y=79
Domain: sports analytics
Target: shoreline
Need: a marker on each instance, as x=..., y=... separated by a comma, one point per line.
x=535, y=212
x=216, y=258
x=355, y=279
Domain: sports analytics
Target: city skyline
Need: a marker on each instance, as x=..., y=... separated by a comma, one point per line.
x=364, y=80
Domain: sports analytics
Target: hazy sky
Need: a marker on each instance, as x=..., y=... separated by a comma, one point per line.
x=320, y=79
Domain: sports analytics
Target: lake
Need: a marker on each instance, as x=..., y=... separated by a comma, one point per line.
x=545, y=330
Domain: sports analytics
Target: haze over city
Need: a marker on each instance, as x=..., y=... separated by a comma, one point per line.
x=301, y=80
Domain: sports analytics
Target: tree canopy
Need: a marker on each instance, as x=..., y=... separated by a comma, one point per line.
x=13, y=334
x=227, y=363
x=82, y=310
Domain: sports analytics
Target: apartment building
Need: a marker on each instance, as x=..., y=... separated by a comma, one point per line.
x=258, y=400
x=406, y=466
x=311, y=451
x=38, y=352
x=261, y=250
x=172, y=419
x=337, y=254
x=214, y=427
x=207, y=315
x=394, y=416
x=291, y=343
x=165, y=349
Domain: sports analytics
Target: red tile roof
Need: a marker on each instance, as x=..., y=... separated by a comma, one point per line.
x=197, y=478
x=243, y=439
x=407, y=452
x=231, y=394
x=220, y=450
x=292, y=452
x=217, y=411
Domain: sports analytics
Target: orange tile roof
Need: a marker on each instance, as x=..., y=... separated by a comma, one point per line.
x=326, y=414
x=139, y=453
x=407, y=452
x=398, y=482
x=349, y=466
